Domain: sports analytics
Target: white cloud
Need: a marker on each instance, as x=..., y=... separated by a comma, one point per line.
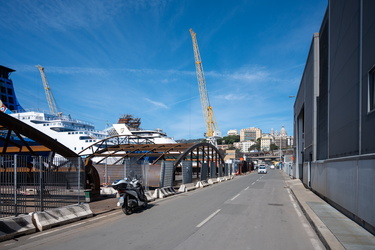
x=245, y=74
x=233, y=97
x=157, y=104
x=56, y=14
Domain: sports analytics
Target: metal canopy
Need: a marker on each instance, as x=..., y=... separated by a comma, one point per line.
x=202, y=152
x=140, y=151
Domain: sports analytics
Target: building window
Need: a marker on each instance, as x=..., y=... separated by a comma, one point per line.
x=371, y=89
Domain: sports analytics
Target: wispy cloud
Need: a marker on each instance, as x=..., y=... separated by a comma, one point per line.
x=60, y=15
x=245, y=74
x=233, y=97
x=64, y=70
x=157, y=104
x=250, y=74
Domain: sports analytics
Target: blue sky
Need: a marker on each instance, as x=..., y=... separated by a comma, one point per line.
x=103, y=59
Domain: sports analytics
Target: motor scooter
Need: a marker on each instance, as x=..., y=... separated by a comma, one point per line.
x=131, y=194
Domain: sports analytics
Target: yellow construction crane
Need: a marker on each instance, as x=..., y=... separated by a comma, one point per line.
x=51, y=100
x=213, y=131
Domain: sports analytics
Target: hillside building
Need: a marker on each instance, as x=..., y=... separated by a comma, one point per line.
x=232, y=132
x=250, y=134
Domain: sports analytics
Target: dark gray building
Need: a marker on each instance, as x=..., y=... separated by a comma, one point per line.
x=334, y=112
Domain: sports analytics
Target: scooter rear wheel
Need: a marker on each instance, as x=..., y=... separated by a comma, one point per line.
x=144, y=205
x=125, y=207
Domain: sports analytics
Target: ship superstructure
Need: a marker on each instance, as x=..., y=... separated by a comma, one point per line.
x=127, y=125
x=73, y=133
x=8, y=95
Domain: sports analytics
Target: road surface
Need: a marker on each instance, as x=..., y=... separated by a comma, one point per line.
x=249, y=212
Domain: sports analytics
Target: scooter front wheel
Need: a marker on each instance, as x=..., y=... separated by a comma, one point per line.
x=125, y=207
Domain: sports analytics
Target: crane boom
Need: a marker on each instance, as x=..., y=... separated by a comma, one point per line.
x=51, y=100
x=212, y=130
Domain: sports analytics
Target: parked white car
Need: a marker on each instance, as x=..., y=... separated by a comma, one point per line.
x=262, y=169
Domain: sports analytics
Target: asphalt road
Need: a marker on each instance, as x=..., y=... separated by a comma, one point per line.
x=249, y=212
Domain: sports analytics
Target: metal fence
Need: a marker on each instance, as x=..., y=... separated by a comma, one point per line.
x=108, y=173
x=30, y=184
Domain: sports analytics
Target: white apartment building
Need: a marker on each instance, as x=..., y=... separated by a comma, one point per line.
x=232, y=132
x=266, y=141
x=243, y=146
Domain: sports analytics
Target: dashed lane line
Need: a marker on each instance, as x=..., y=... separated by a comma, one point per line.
x=208, y=218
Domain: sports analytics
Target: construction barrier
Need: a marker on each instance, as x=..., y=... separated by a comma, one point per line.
x=221, y=179
x=202, y=184
x=108, y=191
x=212, y=181
x=164, y=192
x=59, y=216
x=187, y=187
x=149, y=196
x=13, y=226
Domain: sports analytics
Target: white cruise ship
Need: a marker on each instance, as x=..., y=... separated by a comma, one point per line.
x=74, y=134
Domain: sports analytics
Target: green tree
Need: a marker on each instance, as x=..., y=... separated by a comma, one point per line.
x=256, y=146
x=230, y=139
x=273, y=146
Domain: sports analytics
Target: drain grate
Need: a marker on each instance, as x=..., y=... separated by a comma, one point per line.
x=276, y=204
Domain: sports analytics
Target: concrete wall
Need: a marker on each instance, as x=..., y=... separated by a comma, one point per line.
x=349, y=185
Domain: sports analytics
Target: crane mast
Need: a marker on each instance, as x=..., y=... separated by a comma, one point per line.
x=212, y=130
x=51, y=100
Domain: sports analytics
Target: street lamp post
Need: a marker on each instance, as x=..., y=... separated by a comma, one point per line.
x=281, y=165
x=280, y=148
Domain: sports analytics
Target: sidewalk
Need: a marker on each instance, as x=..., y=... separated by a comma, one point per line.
x=335, y=230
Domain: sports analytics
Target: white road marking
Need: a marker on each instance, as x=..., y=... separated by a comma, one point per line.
x=247, y=188
x=101, y=217
x=308, y=230
x=60, y=229
x=208, y=218
x=235, y=197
